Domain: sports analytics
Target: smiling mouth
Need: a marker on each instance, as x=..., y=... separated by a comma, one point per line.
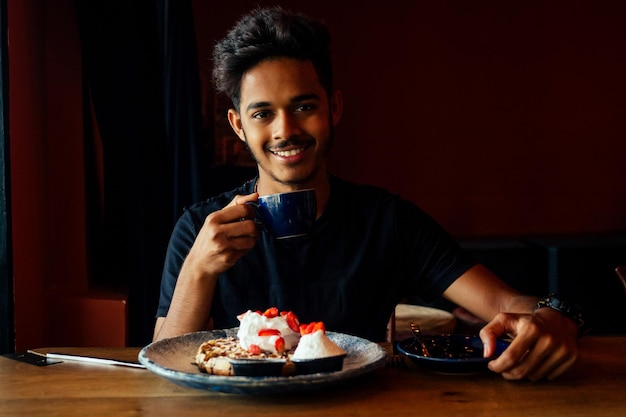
x=290, y=152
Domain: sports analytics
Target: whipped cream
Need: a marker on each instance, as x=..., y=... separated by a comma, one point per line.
x=251, y=322
x=316, y=345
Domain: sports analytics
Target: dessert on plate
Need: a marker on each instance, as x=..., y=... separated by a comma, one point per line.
x=316, y=352
x=271, y=332
x=262, y=335
x=270, y=343
x=315, y=344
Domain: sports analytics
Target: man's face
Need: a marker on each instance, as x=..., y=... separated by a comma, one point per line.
x=286, y=120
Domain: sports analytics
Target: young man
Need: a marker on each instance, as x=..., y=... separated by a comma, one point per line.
x=368, y=250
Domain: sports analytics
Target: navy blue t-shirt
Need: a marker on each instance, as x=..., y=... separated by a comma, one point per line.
x=368, y=251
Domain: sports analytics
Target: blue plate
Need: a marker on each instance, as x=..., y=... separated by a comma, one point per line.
x=174, y=360
x=450, y=353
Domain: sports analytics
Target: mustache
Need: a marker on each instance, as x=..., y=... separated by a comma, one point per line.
x=294, y=142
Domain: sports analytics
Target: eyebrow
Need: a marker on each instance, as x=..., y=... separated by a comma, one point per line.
x=296, y=99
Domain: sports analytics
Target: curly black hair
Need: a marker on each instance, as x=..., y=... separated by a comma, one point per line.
x=267, y=33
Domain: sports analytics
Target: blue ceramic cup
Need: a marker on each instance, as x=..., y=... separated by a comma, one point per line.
x=288, y=214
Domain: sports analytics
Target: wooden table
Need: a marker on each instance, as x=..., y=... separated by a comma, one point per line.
x=596, y=386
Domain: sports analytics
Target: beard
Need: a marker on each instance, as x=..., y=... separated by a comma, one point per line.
x=300, y=181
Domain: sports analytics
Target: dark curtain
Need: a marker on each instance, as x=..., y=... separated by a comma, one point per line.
x=7, y=330
x=141, y=83
x=182, y=106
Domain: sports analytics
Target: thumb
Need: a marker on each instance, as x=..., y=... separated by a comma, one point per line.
x=489, y=335
x=243, y=199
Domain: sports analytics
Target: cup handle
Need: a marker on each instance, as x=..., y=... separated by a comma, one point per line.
x=257, y=219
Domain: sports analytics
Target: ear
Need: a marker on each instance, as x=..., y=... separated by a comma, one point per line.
x=234, y=118
x=336, y=106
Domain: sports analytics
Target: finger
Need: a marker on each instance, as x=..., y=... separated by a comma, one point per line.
x=234, y=213
x=556, y=359
x=233, y=240
x=508, y=363
x=245, y=231
x=541, y=370
x=534, y=365
x=243, y=199
x=489, y=335
x=241, y=228
x=243, y=243
x=559, y=370
x=514, y=355
x=500, y=325
x=222, y=227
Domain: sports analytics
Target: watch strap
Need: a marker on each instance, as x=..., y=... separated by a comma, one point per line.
x=571, y=310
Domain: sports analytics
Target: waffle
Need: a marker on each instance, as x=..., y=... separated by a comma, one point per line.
x=213, y=355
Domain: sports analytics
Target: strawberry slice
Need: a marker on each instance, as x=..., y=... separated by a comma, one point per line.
x=269, y=332
x=319, y=326
x=280, y=345
x=271, y=312
x=292, y=320
x=312, y=327
x=254, y=349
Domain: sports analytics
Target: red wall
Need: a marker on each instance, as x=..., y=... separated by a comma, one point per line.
x=28, y=168
x=497, y=117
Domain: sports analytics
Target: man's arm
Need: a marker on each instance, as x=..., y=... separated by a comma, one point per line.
x=485, y=295
x=225, y=236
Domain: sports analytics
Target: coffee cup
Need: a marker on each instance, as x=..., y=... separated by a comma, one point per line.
x=288, y=214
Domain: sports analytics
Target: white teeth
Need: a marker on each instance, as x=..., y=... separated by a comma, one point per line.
x=288, y=153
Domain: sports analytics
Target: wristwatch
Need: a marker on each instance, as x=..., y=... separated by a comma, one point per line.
x=573, y=311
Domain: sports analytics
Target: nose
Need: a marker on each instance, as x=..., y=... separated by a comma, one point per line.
x=286, y=125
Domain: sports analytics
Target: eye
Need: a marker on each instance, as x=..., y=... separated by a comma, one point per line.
x=305, y=107
x=262, y=114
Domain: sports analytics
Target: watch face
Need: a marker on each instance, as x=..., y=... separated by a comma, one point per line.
x=558, y=304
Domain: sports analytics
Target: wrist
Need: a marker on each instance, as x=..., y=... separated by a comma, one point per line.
x=570, y=310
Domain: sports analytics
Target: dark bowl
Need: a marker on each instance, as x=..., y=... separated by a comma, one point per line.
x=450, y=353
x=314, y=366
x=259, y=367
